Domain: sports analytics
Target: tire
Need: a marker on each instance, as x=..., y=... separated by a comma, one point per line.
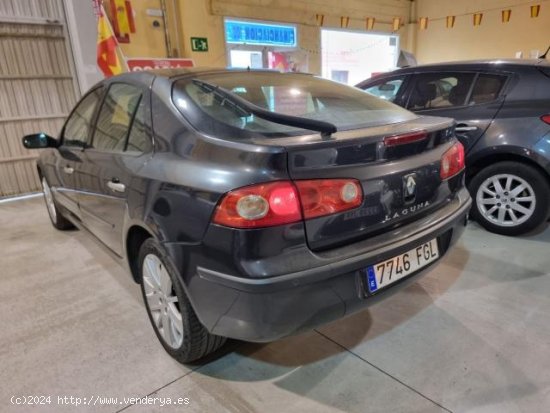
x=175, y=323
x=56, y=217
x=500, y=208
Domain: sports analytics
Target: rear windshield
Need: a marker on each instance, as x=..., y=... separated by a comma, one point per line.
x=292, y=94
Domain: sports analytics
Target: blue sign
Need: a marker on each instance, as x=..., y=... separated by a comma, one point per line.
x=244, y=32
x=371, y=277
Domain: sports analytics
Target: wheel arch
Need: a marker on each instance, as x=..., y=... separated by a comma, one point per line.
x=135, y=237
x=518, y=155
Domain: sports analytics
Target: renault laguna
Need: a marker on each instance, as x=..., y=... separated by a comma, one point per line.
x=254, y=204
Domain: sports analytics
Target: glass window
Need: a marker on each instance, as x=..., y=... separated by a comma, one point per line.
x=386, y=90
x=115, y=117
x=139, y=139
x=440, y=90
x=77, y=128
x=291, y=94
x=487, y=88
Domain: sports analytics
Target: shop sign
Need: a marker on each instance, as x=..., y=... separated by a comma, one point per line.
x=135, y=65
x=245, y=32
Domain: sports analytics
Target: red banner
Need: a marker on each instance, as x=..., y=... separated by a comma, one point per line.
x=147, y=64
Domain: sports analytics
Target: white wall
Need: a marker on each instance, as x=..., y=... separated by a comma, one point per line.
x=82, y=27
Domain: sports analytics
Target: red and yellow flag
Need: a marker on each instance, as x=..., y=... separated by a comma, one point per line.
x=107, y=57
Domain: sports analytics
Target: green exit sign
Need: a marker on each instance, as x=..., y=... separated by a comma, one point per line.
x=199, y=44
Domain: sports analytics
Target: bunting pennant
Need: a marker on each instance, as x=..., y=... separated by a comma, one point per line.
x=477, y=19
x=344, y=21
x=396, y=24
x=535, y=10
x=370, y=23
x=423, y=23
x=506, y=14
x=320, y=18
x=450, y=22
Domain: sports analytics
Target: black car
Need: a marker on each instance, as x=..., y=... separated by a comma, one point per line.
x=503, y=112
x=254, y=204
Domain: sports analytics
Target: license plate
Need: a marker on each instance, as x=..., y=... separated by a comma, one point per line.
x=387, y=272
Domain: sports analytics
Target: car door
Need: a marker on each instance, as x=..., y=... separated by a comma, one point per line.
x=75, y=136
x=472, y=98
x=121, y=144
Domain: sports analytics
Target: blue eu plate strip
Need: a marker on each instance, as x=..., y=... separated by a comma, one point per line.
x=371, y=276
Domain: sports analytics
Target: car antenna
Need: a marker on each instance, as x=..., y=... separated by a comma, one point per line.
x=545, y=53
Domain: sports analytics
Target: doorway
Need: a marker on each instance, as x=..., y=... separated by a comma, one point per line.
x=350, y=57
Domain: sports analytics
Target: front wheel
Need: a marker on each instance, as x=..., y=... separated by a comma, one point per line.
x=175, y=323
x=510, y=198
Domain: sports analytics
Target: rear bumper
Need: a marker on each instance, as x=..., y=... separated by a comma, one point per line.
x=265, y=309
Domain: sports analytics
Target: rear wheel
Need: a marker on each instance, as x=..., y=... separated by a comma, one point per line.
x=57, y=219
x=175, y=323
x=511, y=198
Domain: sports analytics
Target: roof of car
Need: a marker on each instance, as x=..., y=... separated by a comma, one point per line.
x=146, y=77
x=173, y=73
x=462, y=64
x=506, y=62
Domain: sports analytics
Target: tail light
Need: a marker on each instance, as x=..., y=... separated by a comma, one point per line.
x=545, y=119
x=285, y=202
x=263, y=205
x=328, y=196
x=452, y=161
x=405, y=138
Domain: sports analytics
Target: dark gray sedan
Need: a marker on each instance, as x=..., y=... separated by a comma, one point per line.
x=254, y=205
x=502, y=108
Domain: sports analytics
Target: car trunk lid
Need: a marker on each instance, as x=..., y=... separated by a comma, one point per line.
x=400, y=183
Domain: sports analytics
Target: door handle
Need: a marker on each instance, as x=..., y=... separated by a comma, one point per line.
x=465, y=128
x=68, y=170
x=116, y=186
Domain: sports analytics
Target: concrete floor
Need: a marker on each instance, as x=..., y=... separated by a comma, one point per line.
x=472, y=336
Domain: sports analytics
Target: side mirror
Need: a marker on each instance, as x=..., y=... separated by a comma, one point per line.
x=39, y=141
x=387, y=87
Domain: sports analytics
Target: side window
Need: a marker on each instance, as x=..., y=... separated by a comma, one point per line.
x=139, y=139
x=487, y=88
x=115, y=117
x=387, y=90
x=77, y=128
x=440, y=90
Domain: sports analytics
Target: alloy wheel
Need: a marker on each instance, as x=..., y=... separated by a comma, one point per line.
x=506, y=200
x=162, y=301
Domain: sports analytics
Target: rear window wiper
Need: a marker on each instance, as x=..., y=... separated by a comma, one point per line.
x=244, y=107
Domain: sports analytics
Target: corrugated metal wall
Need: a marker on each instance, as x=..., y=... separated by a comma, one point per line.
x=37, y=89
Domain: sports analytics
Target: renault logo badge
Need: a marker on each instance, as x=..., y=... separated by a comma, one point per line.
x=409, y=187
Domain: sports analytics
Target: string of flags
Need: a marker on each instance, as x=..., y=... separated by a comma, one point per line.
x=477, y=17
x=397, y=22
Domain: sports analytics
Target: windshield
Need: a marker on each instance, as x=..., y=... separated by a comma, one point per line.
x=298, y=95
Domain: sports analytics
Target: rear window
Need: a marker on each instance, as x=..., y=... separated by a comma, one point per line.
x=487, y=88
x=291, y=94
